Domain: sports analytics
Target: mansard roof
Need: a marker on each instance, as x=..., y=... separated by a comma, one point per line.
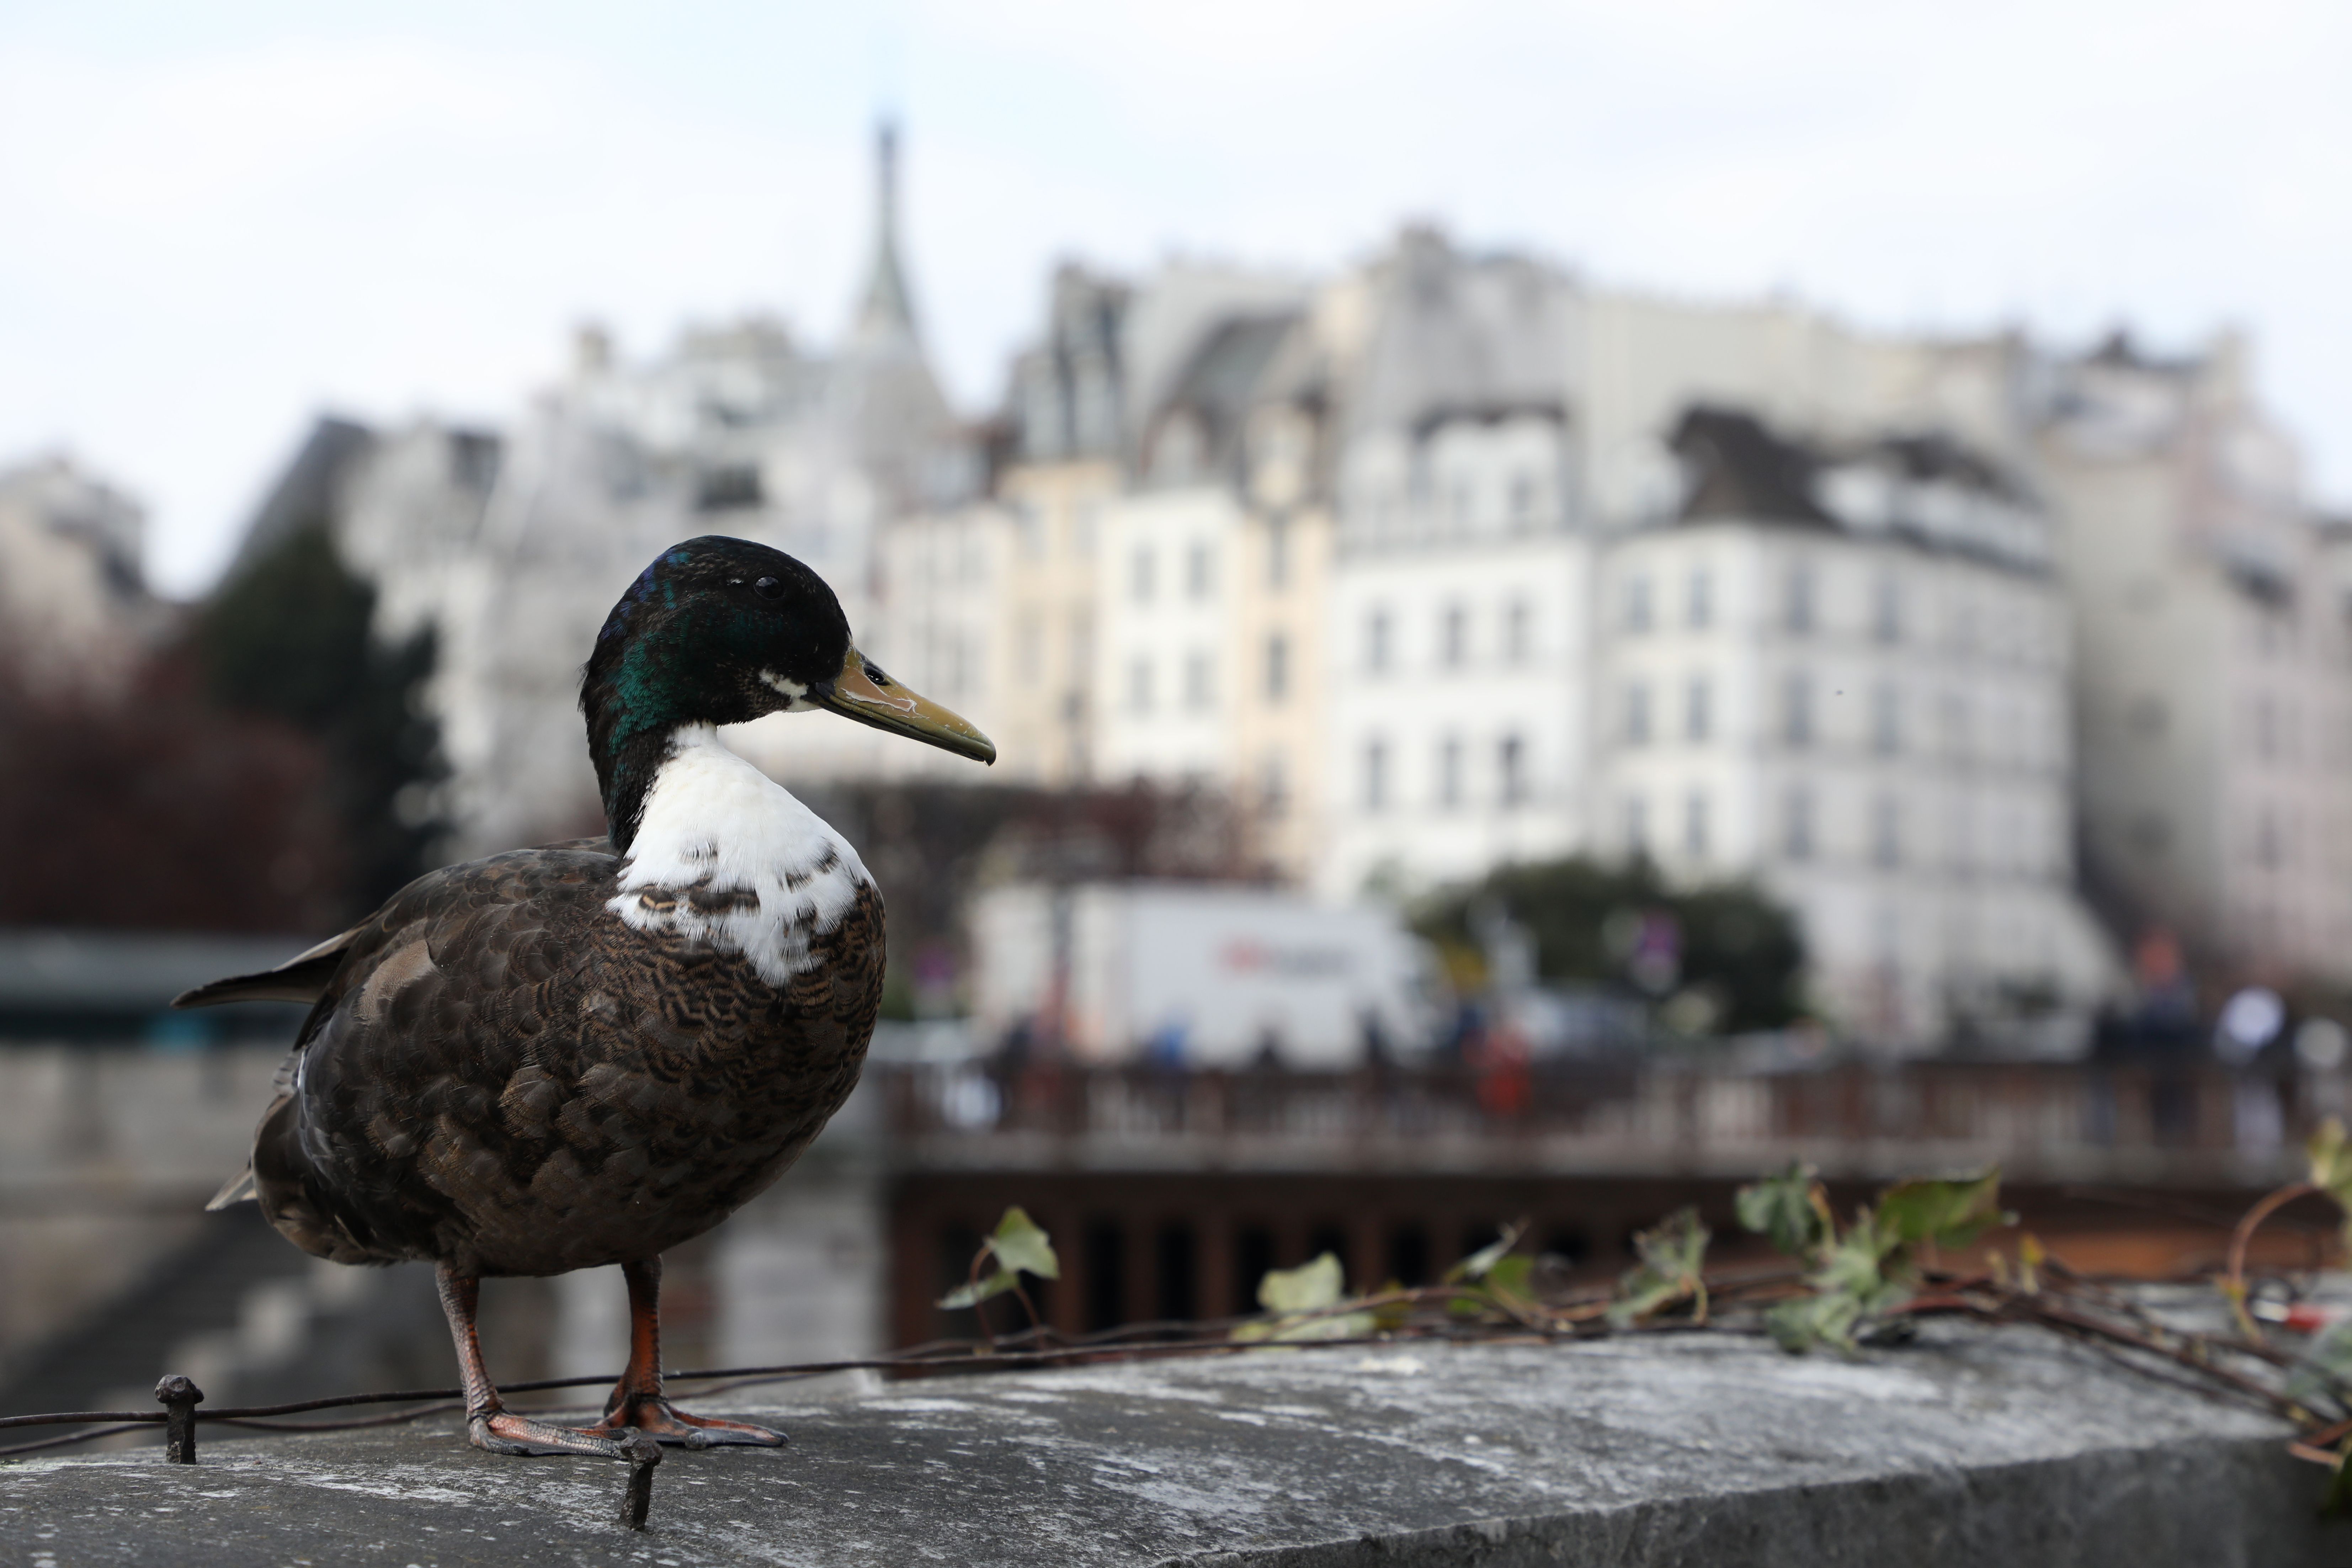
x=1227, y=375
x=1452, y=331
x=1738, y=468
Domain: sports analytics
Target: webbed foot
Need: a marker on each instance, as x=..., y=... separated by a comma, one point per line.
x=658, y=1417
x=503, y=1432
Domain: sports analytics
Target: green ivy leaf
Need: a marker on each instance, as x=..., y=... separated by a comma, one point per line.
x=1788, y=1209
x=974, y=1292
x=1308, y=1287
x=1297, y=1293
x=1676, y=1248
x=1482, y=1262
x=2330, y=1153
x=1671, y=1253
x=1513, y=1277
x=1800, y=1325
x=1020, y=1246
x=1945, y=1213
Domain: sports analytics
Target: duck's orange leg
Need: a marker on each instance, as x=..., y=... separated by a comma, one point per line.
x=488, y=1421
x=637, y=1400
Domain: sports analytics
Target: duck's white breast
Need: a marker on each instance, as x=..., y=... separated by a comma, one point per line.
x=726, y=855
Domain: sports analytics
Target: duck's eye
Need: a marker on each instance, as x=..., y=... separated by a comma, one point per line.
x=769, y=589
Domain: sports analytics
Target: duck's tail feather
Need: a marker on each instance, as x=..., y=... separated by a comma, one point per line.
x=302, y=978
x=238, y=1189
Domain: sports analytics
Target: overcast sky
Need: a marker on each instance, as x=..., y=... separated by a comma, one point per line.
x=213, y=226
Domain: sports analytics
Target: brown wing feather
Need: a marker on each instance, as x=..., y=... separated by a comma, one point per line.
x=302, y=978
x=505, y=1077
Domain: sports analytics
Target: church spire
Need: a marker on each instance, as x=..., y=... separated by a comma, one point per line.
x=886, y=312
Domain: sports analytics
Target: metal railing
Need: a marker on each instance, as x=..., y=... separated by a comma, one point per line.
x=2189, y=1121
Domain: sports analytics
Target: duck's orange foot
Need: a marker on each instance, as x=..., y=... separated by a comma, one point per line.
x=658, y=1417
x=507, y=1432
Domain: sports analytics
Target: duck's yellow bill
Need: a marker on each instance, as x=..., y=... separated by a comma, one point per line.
x=861, y=692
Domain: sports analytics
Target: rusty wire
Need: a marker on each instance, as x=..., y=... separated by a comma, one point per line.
x=2071, y=1305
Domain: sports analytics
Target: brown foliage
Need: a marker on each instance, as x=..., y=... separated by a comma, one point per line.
x=159, y=812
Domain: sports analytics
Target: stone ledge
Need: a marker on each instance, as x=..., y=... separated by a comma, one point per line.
x=1973, y=1445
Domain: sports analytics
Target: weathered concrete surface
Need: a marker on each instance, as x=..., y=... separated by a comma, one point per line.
x=1972, y=1446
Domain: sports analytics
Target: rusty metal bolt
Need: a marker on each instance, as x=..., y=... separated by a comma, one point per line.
x=643, y=1453
x=180, y=1398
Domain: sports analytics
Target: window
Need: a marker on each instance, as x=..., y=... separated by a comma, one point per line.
x=1449, y=772
x=1637, y=826
x=1082, y=646
x=1455, y=638
x=1197, y=574
x=1029, y=650
x=1277, y=552
x=1695, y=825
x=1376, y=642
x=1797, y=824
x=1138, y=686
x=1699, y=715
x=1031, y=526
x=1085, y=527
x=1886, y=721
x=1797, y=604
x=726, y=489
x=1637, y=714
x=1274, y=786
x=1699, y=608
x=1277, y=668
x=1956, y=726
x=2266, y=728
x=1523, y=498
x=1519, y=631
x=1198, y=688
x=1459, y=499
x=1886, y=609
x=1886, y=832
x=1637, y=604
x=1512, y=765
x=1376, y=774
x=1139, y=572
x=1797, y=709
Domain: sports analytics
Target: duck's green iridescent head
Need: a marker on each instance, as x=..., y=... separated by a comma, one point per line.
x=722, y=631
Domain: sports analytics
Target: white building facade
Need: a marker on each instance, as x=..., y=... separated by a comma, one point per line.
x=1861, y=707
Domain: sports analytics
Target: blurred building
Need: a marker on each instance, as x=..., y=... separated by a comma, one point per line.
x=75, y=613
x=2214, y=702
x=1461, y=634
x=1844, y=673
x=513, y=546
x=1452, y=558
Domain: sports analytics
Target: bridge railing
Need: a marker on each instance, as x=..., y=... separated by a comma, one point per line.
x=2189, y=1119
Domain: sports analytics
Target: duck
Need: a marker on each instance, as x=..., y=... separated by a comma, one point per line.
x=589, y=1052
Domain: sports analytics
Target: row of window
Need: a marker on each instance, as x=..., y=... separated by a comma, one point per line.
x=1451, y=785
x=1527, y=501
x=1641, y=723
x=1455, y=640
x=1688, y=832
x=1197, y=566
x=1646, y=605
x=1199, y=690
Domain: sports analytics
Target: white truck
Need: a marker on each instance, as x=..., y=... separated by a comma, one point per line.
x=1201, y=974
